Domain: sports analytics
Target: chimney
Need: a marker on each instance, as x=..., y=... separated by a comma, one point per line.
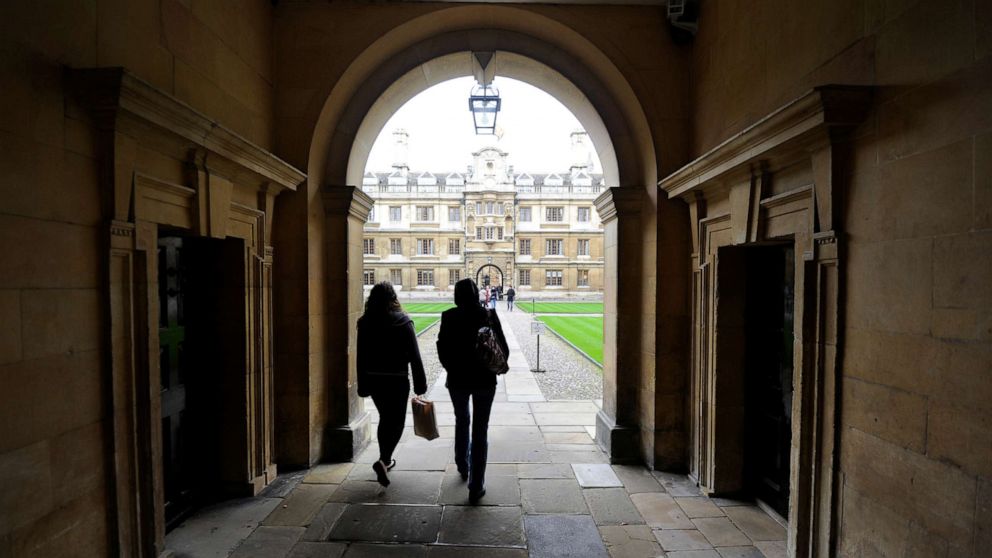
x=581, y=152
x=401, y=148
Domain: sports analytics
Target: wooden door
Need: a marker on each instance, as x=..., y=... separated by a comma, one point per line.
x=173, y=364
x=769, y=306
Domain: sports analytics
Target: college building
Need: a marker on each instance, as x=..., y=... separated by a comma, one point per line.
x=538, y=232
x=791, y=226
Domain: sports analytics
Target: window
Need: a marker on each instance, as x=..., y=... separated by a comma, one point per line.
x=425, y=277
x=368, y=277
x=368, y=246
x=396, y=276
x=478, y=233
x=583, y=278
x=555, y=214
x=491, y=233
x=454, y=214
x=478, y=208
x=524, y=246
x=583, y=247
x=525, y=214
x=552, y=247
x=584, y=213
x=425, y=213
x=524, y=277
x=425, y=246
x=490, y=208
x=395, y=213
x=396, y=246
x=552, y=278
x=454, y=275
x=371, y=216
x=499, y=209
x=454, y=246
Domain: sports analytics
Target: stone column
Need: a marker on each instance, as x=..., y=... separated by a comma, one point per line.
x=617, y=424
x=346, y=430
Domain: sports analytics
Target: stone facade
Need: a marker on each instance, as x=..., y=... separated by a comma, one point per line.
x=539, y=233
x=904, y=360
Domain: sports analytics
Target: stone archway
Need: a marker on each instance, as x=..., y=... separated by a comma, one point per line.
x=480, y=278
x=459, y=64
x=338, y=425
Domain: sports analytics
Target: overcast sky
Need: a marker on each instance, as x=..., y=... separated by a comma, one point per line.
x=535, y=126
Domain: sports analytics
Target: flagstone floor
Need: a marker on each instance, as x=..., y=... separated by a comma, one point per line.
x=550, y=492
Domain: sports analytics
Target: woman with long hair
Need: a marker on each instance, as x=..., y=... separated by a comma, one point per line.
x=468, y=378
x=387, y=345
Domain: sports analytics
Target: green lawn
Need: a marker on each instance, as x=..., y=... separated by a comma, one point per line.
x=420, y=323
x=561, y=307
x=426, y=307
x=585, y=332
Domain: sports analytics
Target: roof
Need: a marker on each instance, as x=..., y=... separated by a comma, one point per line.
x=382, y=178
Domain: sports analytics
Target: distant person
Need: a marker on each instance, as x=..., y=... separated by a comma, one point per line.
x=387, y=343
x=510, y=295
x=469, y=378
x=493, y=298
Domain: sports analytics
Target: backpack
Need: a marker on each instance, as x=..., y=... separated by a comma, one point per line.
x=489, y=350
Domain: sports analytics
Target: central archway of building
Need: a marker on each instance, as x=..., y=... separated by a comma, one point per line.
x=484, y=278
x=549, y=55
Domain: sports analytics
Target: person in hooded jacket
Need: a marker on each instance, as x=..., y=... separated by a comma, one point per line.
x=387, y=345
x=469, y=379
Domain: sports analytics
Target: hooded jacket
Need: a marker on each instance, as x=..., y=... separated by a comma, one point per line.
x=456, y=346
x=386, y=345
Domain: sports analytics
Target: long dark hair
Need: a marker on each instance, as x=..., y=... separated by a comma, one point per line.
x=466, y=294
x=382, y=300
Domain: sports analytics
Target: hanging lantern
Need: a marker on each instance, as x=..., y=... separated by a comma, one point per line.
x=484, y=103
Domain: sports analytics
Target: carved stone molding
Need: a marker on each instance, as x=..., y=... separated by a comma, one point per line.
x=800, y=125
x=115, y=94
x=339, y=200
x=617, y=201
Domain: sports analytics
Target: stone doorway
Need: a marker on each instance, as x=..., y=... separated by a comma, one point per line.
x=485, y=278
x=755, y=337
x=202, y=347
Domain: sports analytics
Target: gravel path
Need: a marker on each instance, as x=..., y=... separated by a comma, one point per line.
x=569, y=375
x=428, y=353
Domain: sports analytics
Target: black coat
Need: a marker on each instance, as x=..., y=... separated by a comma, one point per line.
x=456, y=347
x=386, y=345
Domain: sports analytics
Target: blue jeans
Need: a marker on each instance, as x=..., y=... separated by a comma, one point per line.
x=478, y=449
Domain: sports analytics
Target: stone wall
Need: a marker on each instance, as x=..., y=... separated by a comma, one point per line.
x=215, y=56
x=916, y=442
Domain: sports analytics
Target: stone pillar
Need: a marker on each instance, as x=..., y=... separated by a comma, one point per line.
x=346, y=430
x=617, y=424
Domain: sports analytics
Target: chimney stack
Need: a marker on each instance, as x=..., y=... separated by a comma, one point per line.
x=581, y=152
x=401, y=149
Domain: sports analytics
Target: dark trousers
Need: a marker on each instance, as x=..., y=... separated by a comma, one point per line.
x=391, y=404
x=509, y=304
x=472, y=454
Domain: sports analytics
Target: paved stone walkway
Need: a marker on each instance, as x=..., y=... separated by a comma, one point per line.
x=550, y=493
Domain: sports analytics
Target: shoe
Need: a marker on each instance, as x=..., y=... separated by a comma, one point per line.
x=380, y=473
x=474, y=497
x=464, y=474
x=392, y=463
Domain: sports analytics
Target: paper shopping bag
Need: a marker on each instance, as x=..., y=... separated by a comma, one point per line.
x=424, y=419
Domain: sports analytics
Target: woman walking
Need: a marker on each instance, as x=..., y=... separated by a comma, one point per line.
x=469, y=378
x=387, y=344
